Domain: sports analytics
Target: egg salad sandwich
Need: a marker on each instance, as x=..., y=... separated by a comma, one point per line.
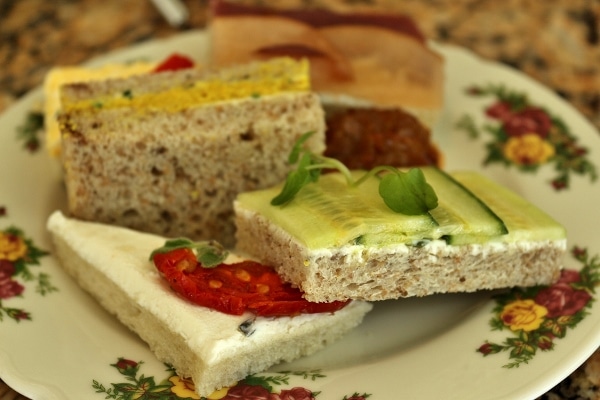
x=167, y=153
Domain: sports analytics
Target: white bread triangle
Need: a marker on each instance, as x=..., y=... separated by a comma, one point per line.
x=112, y=264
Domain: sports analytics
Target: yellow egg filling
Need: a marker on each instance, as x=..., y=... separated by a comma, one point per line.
x=267, y=78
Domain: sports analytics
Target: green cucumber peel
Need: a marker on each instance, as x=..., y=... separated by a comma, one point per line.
x=208, y=253
x=403, y=192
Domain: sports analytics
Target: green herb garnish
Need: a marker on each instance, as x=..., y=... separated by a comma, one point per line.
x=208, y=253
x=28, y=132
x=407, y=192
x=403, y=192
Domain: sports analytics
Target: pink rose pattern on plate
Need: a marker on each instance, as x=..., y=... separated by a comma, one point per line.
x=528, y=136
x=538, y=316
x=254, y=387
x=17, y=255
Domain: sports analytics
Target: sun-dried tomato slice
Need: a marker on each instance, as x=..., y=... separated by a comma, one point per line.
x=235, y=288
x=174, y=62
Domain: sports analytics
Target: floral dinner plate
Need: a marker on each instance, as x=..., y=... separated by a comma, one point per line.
x=57, y=343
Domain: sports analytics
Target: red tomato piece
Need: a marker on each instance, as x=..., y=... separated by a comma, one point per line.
x=235, y=288
x=174, y=62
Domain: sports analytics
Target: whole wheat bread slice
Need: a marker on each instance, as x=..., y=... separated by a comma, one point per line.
x=380, y=255
x=175, y=169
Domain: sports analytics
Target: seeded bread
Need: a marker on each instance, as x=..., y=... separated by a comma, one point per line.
x=111, y=263
x=150, y=153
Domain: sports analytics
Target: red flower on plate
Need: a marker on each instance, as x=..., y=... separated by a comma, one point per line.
x=520, y=122
x=126, y=366
x=529, y=120
x=8, y=286
x=500, y=110
x=561, y=298
x=545, y=342
x=486, y=349
x=248, y=392
x=541, y=315
x=297, y=393
x=569, y=275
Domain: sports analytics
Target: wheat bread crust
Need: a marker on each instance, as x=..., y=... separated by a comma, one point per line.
x=177, y=174
x=398, y=270
x=111, y=263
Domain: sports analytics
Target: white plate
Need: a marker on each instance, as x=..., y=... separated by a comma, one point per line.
x=414, y=348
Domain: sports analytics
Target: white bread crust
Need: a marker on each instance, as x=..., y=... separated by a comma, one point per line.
x=111, y=263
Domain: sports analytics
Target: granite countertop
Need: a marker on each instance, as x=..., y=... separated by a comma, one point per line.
x=555, y=42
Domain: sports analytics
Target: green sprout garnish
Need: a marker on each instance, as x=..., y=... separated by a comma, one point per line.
x=403, y=192
x=208, y=253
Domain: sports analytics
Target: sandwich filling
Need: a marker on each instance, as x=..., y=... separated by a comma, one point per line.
x=198, y=273
x=471, y=209
x=262, y=79
x=65, y=75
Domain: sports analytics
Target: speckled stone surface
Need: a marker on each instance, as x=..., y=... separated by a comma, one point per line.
x=556, y=42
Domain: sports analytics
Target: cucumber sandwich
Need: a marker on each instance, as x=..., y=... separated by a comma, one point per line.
x=338, y=241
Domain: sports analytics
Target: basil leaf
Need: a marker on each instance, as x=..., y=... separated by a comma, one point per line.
x=297, y=149
x=408, y=193
x=295, y=181
x=172, y=244
x=208, y=253
x=403, y=192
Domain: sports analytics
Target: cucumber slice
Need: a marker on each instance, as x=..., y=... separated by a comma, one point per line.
x=462, y=209
x=524, y=221
x=329, y=213
x=471, y=209
x=462, y=216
